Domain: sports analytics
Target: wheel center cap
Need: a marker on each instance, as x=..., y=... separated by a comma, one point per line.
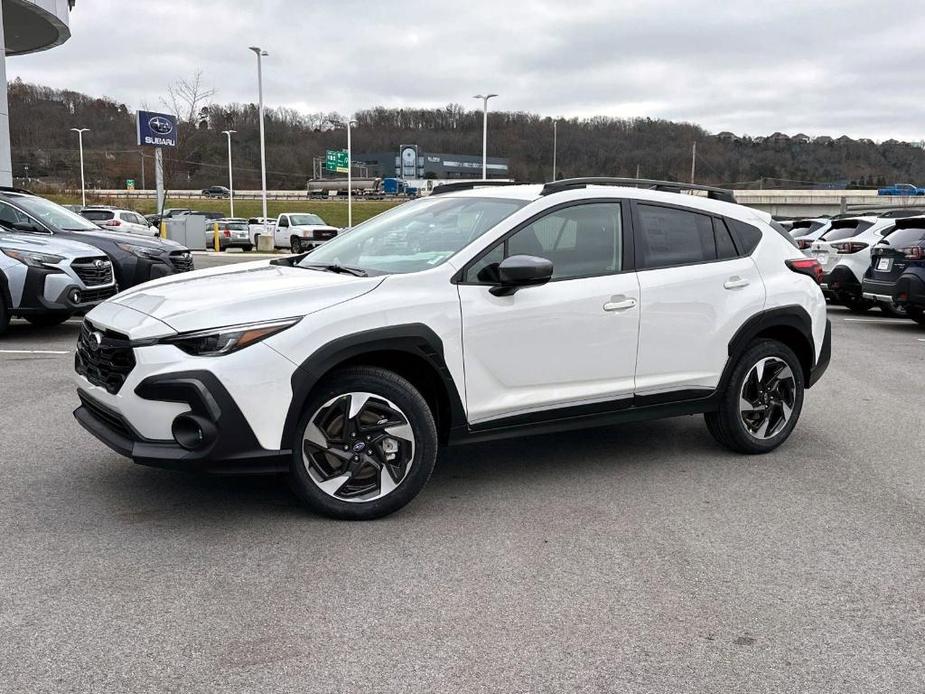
x=358, y=447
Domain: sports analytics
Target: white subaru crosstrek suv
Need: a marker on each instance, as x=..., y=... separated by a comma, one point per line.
x=476, y=313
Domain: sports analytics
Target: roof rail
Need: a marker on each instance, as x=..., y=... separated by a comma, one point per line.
x=468, y=185
x=668, y=186
x=8, y=189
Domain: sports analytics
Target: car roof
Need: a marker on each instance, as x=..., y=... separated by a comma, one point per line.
x=533, y=192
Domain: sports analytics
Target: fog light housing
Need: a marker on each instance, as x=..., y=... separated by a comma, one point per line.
x=75, y=296
x=193, y=432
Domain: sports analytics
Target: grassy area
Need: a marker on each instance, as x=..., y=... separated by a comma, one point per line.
x=334, y=212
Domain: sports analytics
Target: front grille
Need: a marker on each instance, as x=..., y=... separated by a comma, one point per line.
x=322, y=234
x=93, y=271
x=182, y=261
x=111, y=419
x=95, y=296
x=103, y=357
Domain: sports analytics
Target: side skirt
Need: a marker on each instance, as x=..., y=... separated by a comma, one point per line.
x=624, y=410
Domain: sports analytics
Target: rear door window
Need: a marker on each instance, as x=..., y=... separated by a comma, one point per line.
x=669, y=236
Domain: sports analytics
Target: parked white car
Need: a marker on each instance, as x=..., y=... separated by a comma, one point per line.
x=844, y=252
x=256, y=226
x=301, y=231
x=476, y=313
x=805, y=231
x=122, y=221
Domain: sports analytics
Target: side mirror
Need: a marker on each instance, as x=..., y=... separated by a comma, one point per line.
x=520, y=271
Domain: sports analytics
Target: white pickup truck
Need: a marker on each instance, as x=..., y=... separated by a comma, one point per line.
x=301, y=231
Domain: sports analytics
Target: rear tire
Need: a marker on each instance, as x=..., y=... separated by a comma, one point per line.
x=917, y=314
x=762, y=401
x=893, y=310
x=365, y=446
x=47, y=320
x=4, y=315
x=857, y=305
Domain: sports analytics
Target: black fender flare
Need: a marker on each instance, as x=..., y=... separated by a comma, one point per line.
x=791, y=317
x=415, y=339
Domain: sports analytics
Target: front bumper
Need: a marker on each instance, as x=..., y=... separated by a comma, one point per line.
x=234, y=449
x=49, y=291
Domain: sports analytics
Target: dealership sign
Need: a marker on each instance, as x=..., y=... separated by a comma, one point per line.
x=156, y=129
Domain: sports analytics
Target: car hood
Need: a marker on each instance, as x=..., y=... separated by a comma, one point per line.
x=241, y=293
x=313, y=227
x=165, y=245
x=43, y=243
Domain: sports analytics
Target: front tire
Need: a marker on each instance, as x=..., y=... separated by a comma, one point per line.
x=365, y=446
x=762, y=401
x=295, y=245
x=4, y=315
x=47, y=320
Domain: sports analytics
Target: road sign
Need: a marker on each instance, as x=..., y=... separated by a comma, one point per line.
x=157, y=129
x=337, y=160
x=130, y=184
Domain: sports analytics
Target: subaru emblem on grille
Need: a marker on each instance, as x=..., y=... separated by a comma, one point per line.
x=99, y=264
x=96, y=340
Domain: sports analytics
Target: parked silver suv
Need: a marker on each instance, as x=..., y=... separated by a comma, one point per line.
x=47, y=280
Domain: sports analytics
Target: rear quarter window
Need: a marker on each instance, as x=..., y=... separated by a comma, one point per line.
x=747, y=236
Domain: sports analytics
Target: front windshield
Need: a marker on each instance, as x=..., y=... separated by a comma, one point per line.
x=414, y=236
x=54, y=215
x=302, y=219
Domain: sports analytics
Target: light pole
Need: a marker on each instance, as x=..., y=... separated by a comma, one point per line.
x=350, y=124
x=230, y=177
x=484, y=99
x=263, y=145
x=555, y=143
x=80, y=141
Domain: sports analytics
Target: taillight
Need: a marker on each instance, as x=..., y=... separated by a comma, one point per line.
x=227, y=234
x=804, y=244
x=847, y=247
x=112, y=223
x=914, y=252
x=807, y=266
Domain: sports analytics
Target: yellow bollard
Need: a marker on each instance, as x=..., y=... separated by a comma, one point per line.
x=218, y=244
x=163, y=230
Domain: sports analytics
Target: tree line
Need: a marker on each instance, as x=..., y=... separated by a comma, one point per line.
x=45, y=150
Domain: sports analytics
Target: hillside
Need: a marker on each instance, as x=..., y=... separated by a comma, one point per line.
x=40, y=119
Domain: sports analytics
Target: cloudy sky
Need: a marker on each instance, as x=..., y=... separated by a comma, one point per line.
x=817, y=67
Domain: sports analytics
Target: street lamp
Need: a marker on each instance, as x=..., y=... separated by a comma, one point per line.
x=80, y=141
x=350, y=124
x=484, y=99
x=555, y=143
x=263, y=145
x=230, y=177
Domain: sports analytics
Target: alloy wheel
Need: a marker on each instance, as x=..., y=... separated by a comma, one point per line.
x=767, y=398
x=358, y=447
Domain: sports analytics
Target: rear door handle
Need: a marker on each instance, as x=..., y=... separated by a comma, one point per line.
x=736, y=283
x=619, y=305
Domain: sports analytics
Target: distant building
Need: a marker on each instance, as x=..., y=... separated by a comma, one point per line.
x=844, y=140
x=891, y=142
x=410, y=162
x=800, y=138
x=823, y=140
x=779, y=137
x=727, y=136
x=866, y=141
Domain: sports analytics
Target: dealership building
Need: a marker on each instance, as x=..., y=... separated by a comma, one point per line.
x=27, y=26
x=411, y=162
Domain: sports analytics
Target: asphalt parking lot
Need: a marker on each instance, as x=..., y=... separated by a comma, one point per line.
x=640, y=558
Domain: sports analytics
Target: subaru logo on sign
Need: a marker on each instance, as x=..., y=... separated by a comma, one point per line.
x=160, y=125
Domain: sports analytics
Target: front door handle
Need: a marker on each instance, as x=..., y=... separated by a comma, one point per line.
x=736, y=282
x=617, y=304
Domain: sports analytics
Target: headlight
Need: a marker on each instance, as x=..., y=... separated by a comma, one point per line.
x=142, y=251
x=218, y=341
x=33, y=259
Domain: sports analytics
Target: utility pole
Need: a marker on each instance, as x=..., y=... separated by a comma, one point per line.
x=142, y=154
x=350, y=124
x=484, y=99
x=230, y=177
x=637, y=171
x=263, y=144
x=80, y=141
x=693, y=161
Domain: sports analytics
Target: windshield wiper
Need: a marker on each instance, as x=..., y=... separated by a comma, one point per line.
x=340, y=269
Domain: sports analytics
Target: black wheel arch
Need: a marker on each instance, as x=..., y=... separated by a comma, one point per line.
x=790, y=325
x=413, y=351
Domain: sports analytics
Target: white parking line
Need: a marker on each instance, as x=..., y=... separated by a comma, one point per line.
x=873, y=320
x=34, y=351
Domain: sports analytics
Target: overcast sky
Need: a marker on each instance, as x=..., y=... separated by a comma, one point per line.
x=821, y=68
